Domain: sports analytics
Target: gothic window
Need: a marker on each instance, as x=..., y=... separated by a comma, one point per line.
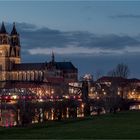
x=40, y=75
x=18, y=53
x=3, y=76
x=32, y=76
x=15, y=41
x=6, y=53
x=24, y=76
x=28, y=76
x=36, y=75
x=0, y=52
x=4, y=40
x=12, y=52
x=0, y=67
x=16, y=76
x=0, y=40
x=20, y=76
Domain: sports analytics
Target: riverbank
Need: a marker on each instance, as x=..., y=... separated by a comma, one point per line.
x=125, y=125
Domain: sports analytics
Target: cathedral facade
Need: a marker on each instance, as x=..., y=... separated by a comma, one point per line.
x=11, y=68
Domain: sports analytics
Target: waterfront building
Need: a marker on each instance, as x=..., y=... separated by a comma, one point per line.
x=12, y=70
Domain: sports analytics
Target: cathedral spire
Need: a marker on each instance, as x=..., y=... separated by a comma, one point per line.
x=14, y=31
x=53, y=57
x=3, y=30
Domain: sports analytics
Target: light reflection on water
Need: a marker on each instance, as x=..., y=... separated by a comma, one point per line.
x=9, y=117
x=135, y=107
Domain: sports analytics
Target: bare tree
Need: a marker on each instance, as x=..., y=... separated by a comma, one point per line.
x=121, y=70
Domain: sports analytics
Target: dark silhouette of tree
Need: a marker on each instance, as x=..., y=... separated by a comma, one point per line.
x=112, y=101
x=121, y=70
x=26, y=112
x=85, y=98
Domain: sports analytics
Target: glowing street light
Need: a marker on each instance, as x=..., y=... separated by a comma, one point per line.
x=14, y=97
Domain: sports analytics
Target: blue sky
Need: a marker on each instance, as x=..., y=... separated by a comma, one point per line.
x=94, y=35
x=95, y=16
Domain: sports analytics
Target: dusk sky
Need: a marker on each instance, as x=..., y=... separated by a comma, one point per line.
x=94, y=35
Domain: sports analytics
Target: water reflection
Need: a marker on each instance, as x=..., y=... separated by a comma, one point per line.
x=135, y=107
x=8, y=118
x=11, y=117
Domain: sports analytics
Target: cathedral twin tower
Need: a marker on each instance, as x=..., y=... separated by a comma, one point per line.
x=9, y=48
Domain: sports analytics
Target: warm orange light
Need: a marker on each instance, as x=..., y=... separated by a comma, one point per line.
x=14, y=97
x=82, y=105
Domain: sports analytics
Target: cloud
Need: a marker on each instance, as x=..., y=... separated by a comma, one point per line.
x=125, y=16
x=71, y=50
x=42, y=40
x=48, y=38
x=26, y=26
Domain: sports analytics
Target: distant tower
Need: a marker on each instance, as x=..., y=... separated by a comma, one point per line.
x=9, y=51
x=15, y=46
x=53, y=57
x=4, y=48
x=4, y=37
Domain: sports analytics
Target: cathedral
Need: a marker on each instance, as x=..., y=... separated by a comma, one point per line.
x=11, y=68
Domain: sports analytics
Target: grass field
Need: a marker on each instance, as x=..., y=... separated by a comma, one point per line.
x=125, y=125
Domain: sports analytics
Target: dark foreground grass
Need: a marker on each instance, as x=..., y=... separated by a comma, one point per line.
x=123, y=125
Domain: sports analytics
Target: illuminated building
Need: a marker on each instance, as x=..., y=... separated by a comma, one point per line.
x=11, y=68
x=126, y=88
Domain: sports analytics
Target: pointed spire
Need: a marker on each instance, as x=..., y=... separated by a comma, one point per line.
x=53, y=57
x=14, y=31
x=3, y=30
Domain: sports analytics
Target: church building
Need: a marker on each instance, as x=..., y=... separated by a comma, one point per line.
x=11, y=68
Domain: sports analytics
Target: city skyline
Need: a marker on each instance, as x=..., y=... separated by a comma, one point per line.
x=95, y=36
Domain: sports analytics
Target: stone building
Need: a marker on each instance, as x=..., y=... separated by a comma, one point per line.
x=11, y=68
